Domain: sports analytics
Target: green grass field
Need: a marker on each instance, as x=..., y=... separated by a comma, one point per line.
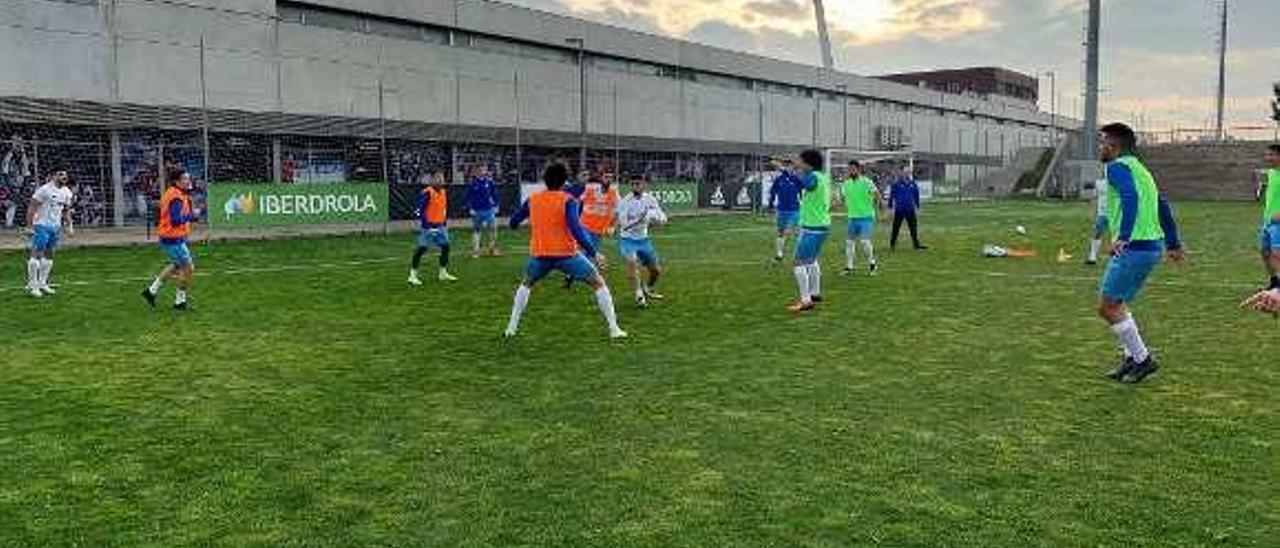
x=313, y=399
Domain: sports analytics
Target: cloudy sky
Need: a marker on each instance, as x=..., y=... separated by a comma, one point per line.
x=1159, y=55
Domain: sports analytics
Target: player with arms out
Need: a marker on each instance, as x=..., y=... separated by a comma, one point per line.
x=636, y=212
x=784, y=199
x=47, y=213
x=861, y=199
x=174, y=227
x=482, y=199
x=815, y=224
x=1143, y=226
x=433, y=230
x=556, y=234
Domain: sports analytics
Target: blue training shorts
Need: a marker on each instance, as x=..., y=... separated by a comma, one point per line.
x=1269, y=237
x=178, y=253
x=1127, y=274
x=788, y=219
x=438, y=237
x=484, y=218
x=1102, y=225
x=638, y=250
x=810, y=246
x=576, y=267
x=45, y=238
x=861, y=228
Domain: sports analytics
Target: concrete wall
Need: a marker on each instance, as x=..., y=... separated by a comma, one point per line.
x=149, y=52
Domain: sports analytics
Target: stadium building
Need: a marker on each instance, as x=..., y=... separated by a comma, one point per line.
x=262, y=91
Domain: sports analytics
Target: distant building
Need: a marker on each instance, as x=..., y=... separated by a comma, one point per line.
x=984, y=82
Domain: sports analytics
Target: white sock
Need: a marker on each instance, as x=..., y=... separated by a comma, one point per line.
x=815, y=279
x=156, y=284
x=781, y=245
x=46, y=268
x=802, y=282
x=604, y=300
x=850, y=253
x=1094, y=247
x=413, y=273
x=517, y=308
x=33, y=273
x=640, y=291
x=870, y=249
x=180, y=297
x=1127, y=332
x=475, y=242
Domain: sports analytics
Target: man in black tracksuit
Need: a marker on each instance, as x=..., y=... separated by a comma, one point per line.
x=904, y=198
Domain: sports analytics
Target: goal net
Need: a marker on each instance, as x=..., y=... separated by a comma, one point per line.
x=880, y=165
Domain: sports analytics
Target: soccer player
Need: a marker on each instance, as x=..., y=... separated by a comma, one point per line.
x=1269, y=239
x=599, y=211
x=48, y=211
x=1143, y=226
x=784, y=199
x=861, y=198
x=433, y=214
x=176, y=216
x=556, y=235
x=482, y=199
x=577, y=187
x=904, y=197
x=636, y=212
x=1100, y=225
x=815, y=224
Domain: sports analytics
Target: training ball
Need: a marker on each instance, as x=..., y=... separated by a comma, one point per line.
x=1021, y=230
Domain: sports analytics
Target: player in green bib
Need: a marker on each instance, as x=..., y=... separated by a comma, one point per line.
x=1269, y=238
x=1143, y=226
x=815, y=223
x=861, y=200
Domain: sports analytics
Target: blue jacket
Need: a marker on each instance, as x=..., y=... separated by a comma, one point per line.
x=904, y=195
x=784, y=193
x=482, y=194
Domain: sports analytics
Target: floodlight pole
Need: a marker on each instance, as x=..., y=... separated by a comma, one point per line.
x=582, y=92
x=1089, y=136
x=824, y=37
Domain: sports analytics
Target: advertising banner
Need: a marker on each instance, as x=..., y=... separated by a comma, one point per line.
x=730, y=196
x=675, y=197
x=236, y=205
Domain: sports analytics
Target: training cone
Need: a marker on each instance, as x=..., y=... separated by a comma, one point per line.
x=1063, y=256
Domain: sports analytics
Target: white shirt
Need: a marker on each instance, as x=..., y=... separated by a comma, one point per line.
x=635, y=214
x=52, y=202
x=1101, y=186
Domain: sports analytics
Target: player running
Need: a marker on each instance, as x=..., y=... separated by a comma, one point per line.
x=433, y=214
x=176, y=216
x=1269, y=238
x=861, y=198
x=636, y=212
x=556, y=234
x=1100, y=225
x=815, y=224
x=482, y=199
x=1143, y=226
x=784, y=199
x=47, y=213
x=600, y=211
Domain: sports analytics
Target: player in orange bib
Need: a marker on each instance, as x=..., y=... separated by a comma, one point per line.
x=555, y=238
x=433, y=218
x=174, y=227
x=599, y=211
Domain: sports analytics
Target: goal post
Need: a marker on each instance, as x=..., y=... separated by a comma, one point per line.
x=880, y=165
